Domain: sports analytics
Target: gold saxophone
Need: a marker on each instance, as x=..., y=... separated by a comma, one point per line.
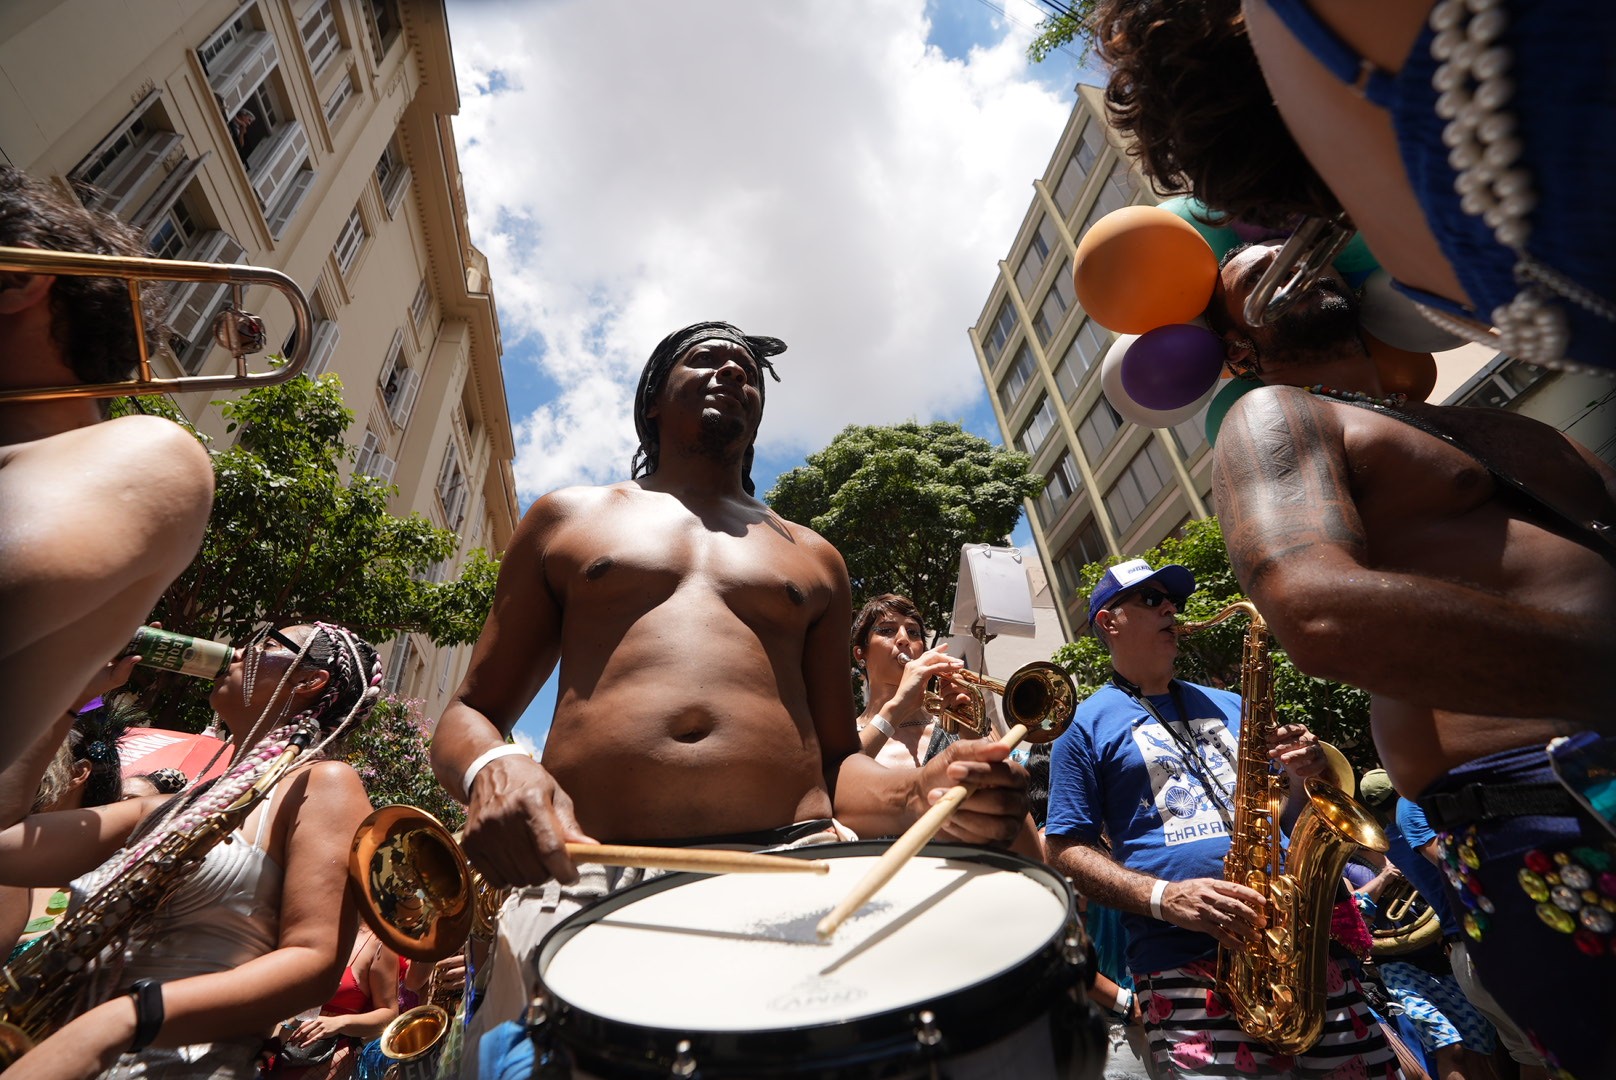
x=1275, y=987
x=42, y=989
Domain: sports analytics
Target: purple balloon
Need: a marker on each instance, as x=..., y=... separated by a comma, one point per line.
x=1171, y=366
x=1257, y=234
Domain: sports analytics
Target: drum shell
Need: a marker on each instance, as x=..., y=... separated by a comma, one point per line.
x=1047, y=985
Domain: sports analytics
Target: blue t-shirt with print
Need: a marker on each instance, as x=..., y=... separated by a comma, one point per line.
x=1407, y=835
x=1116, y=770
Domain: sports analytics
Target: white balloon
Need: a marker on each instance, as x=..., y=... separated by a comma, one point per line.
x=1396, y=320
x=1129, y=409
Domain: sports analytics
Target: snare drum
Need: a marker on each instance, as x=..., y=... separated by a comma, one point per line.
x=970, y=964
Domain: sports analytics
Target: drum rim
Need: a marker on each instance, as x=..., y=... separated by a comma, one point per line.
x=619, y=1047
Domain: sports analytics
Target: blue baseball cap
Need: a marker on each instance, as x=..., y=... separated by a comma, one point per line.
x=1175, y=579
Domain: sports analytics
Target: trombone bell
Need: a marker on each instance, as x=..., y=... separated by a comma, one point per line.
x=412, y=882
x=234, y=329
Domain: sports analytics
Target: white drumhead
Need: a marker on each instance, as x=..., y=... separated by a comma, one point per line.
x=738, y=952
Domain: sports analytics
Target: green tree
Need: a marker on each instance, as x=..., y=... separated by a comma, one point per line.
x=1336, y=712
x=1061, y=28
x=289, y=542
x=899, y=501
x=389, y=751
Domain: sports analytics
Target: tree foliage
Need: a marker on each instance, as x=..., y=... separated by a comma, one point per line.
x=1063, y=27
x=899, y=501
x=389, y=751
x=1337, y=713
x=289, y=542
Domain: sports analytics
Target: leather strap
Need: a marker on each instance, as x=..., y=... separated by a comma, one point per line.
x=1476, y=803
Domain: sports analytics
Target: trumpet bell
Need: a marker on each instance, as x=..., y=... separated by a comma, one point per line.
x=1040, y=696
x=412, y=882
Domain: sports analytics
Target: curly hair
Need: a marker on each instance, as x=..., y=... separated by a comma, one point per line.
x=1186, y=86
x=91, y=318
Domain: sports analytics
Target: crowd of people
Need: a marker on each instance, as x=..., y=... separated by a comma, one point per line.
x=1445, y=560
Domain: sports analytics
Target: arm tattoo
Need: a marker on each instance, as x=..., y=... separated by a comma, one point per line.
x=1281, y=484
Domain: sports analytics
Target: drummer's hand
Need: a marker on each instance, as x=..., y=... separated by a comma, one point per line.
x=518, y=824
x=1229, y=912
x=908, y=701
x=996, y=807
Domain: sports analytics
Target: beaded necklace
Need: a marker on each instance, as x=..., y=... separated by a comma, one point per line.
x=1390, y=401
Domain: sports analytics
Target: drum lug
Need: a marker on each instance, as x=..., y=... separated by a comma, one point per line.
x=549, y=1063
x=684, y=1062
x=927, y=1033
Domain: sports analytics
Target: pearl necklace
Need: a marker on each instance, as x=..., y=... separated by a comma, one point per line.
x=1390, y=401
x=1474, y=90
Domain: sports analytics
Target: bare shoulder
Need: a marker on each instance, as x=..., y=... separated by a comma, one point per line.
x=144, y=452
x=558, y=509
x=329, y=783
x=816, y=547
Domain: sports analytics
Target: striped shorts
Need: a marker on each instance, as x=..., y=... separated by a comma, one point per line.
x=1193, y=1034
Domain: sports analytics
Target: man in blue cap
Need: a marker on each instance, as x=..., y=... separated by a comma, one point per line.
x=1140, y=805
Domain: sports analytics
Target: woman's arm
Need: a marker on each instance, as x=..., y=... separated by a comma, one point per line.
x=321, y=807
x=45, y=850
x=381, y=979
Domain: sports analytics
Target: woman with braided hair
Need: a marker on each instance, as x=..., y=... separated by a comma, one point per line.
x=262, y=927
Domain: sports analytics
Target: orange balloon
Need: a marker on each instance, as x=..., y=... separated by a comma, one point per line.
x=1401, y=371
x=1142, y=267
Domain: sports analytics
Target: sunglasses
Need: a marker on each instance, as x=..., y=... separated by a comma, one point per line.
x=1153, y=598
x=268, y=634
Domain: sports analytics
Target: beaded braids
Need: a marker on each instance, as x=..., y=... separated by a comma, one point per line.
x=350, y=694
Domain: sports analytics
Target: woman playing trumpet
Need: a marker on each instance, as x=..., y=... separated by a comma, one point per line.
x=259, y=929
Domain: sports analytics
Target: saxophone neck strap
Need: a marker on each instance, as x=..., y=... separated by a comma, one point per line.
x=1186, y=740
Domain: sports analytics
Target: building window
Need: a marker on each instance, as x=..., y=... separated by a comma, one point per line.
x=1098, y=428
x=1015, y=381
x=192, y=306
x=1057, y=302
x=421, y=304
x=398, y=665
x=1004, y=324
x=320, y=40
x=392, y=175
x=1087, y=347
x=172, y=232
x=1064, y=483
x=325, y=335
x=1086, y=547
x=1144, y=478
x=452, y=486
x=231, y=33
x=399, y=382
x=1037, y=427
x=133, y=165
x=1078, y=166
x=1114, y=195
x=371, y=461
x=383, y=23
x=1037, y=252
x=349, y=241
x=1191, y=434
x=1504, y=384
x=338, y=99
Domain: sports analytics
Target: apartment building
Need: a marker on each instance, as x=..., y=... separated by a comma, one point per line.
x=1116, y=488
x=312, y=136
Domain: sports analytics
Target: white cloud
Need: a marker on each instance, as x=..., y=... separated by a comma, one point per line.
x=811, y=171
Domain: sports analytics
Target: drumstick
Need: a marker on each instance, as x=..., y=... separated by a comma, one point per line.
x=699, y=860
x=904, y=848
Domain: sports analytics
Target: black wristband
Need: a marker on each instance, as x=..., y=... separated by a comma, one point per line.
x=148, y=995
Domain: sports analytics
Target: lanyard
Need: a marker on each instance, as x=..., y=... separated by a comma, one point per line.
x=1222, y=798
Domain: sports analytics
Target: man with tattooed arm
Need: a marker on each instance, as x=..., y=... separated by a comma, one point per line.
x=1475, y=602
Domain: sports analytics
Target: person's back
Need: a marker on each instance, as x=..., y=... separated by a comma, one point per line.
x=684, y=627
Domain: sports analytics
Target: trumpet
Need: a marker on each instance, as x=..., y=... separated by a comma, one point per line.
x=1039, y=695
x=235, y=329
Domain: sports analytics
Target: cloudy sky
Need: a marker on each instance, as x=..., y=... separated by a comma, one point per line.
x=842, y=174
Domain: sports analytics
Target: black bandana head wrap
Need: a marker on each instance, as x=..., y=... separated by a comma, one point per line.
x=663, y=357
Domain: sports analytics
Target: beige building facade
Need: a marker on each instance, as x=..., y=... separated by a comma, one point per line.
x=312, y=136
x=1114, y=487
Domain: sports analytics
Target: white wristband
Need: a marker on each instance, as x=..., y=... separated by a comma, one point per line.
x=502, y=750
x=1124, y=1003
x=1156, y=893
x=883, y=725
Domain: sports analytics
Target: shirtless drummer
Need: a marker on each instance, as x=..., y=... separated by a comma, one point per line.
x=704, y=691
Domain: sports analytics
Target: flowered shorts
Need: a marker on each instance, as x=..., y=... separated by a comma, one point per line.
x=1537, y=897
x=1193, y=1034
x=1441, y=1014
